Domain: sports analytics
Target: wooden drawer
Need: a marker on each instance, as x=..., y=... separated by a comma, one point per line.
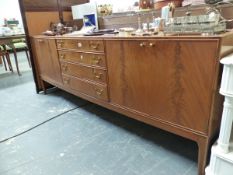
x=86, y=87
x=84, y=58
x=82, y=45
x=84, y=72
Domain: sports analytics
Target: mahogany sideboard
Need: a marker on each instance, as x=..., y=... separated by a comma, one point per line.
x=170, y=82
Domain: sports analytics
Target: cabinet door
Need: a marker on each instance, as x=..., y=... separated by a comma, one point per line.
x=168, y=80
x=47, y=60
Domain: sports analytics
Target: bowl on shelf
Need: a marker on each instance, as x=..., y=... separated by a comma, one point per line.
x=161, y=3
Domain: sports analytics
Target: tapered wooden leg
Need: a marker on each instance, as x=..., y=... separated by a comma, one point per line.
x=203, y=146
x=9, y=62
x=43, y=87
x=16, y=61
x=4, y=62
x=29, y=61
x=7, y=56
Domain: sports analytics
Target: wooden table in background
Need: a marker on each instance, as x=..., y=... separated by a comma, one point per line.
x=7, y=40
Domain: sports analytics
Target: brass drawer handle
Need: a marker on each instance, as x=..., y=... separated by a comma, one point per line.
x=96, y=60
x=80, y=45
x=66, y=80
x=62, y=56
x=151, y=44
x=143, y=44
x=99, y=92
x=98, y=75
x=94, y=45
x=64, y=68
x=81, y=57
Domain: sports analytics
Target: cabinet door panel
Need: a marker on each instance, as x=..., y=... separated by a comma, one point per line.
x=43, y=57
x=47, y=59
x=168, y=80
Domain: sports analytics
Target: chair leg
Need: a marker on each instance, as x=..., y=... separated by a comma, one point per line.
x=16, y=61
x=9, y=62
x=29, y=61
x=4, y=62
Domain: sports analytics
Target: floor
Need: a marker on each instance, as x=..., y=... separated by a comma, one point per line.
x=65, y=135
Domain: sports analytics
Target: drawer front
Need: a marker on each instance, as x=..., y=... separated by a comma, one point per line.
x=80, y=71
x=84, y=58
x=94, y=90
x=82, y=45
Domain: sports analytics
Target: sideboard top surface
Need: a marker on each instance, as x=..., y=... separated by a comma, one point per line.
x=168, y=36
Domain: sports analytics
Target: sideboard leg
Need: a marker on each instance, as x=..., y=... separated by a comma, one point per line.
x=203, y=146
x=43, y=87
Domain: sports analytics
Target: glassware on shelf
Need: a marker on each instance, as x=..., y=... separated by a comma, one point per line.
x=201, y=24
x=139, y=30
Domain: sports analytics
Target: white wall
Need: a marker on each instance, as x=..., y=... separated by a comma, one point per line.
x=10, y=9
